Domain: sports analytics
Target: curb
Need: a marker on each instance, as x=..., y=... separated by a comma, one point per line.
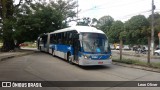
x=15, y=55
x=137, y=67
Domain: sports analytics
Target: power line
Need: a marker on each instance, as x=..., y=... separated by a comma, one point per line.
x=147, y=11
x=112, y=6
x=124, y=4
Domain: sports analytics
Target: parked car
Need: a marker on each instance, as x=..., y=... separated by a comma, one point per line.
x=134, y=48
x=126, y=47
x=23, y=44
x=117, y=47
x=145, y=47
x=112, y=47
x=157, y=52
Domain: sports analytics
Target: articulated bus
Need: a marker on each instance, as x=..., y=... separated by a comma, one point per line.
x=82, y=45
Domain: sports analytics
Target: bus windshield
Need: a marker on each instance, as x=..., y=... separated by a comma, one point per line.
x=94, y=42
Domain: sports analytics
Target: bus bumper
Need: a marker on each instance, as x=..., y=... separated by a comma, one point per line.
x=94, y=62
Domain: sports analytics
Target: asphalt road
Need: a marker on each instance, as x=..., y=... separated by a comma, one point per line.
x=44, y=67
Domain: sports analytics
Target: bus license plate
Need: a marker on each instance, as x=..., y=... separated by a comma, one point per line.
x=94, y=56
x=100, y=62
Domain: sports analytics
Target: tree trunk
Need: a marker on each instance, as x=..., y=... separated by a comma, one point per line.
x=7, y=17
x=8, y=45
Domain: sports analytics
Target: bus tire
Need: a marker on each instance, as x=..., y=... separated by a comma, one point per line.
x=40, y=48
x=69, y=59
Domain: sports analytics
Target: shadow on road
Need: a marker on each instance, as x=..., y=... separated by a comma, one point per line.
x=94, y=67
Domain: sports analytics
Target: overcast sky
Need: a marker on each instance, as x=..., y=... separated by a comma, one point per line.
x=118, y=9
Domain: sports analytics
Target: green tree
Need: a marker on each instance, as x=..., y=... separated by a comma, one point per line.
x=7, y=18
x=115, y=30
x=87, y=21
x=39, y=18
x=135, y=28
x=104, y=23
x=94, y=22
x=7, y=15
x=84, y=21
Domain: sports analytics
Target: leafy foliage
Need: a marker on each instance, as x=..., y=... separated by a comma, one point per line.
x=104, y=23
x=115, y=30
x=7, y=21
x=135, y=28
x=26, y=20
x=86, y=21
x=41, y=18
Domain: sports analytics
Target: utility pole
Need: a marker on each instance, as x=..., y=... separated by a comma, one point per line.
x=152, y=28
x=77, y=9
x=120, y=49
x=0, y=17
x=0, y=12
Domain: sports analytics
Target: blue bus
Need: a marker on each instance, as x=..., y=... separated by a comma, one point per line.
x=82, y=45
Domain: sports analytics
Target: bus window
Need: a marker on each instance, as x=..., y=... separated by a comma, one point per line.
x=70, y=38
x=59, y=38
x=54, y=39
x=51, y=39
x=65, y=38
x=94, y=42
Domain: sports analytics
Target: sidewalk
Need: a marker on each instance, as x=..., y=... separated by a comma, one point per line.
x=21, y=52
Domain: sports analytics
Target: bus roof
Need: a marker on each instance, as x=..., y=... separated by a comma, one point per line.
x=80, y=29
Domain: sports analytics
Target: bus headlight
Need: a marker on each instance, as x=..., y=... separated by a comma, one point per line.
x=110, y=57
x=85, y=56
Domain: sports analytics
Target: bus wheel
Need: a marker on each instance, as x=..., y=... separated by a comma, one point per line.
x=40, y=48
x=69, y=58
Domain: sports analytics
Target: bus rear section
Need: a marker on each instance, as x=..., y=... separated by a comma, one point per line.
x=43, y=42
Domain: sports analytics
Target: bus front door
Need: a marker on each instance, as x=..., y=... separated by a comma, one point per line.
x=76, y=45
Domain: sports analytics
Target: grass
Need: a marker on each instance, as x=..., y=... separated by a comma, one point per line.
x=138, y=62
x=155, y=65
